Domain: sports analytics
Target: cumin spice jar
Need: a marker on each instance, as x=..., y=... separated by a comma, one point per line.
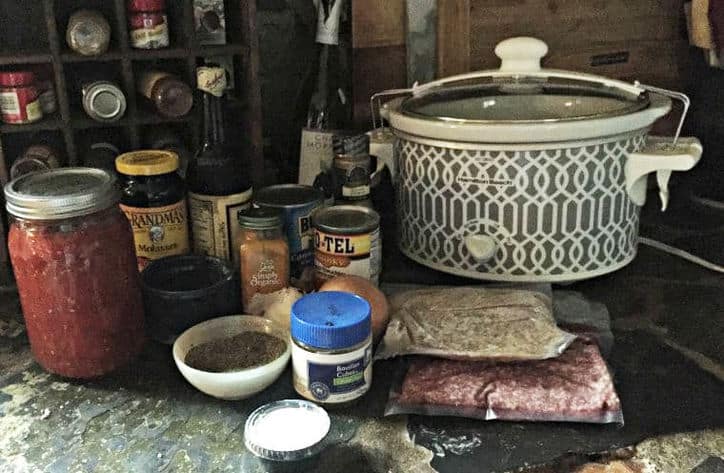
x=263, y=253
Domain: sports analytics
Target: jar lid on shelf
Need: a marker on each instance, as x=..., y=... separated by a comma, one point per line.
x=147, y=163
x=146, y=5
x=17, y=78
x=61, y=193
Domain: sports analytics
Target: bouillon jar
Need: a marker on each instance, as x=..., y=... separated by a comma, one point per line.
x=72, y=253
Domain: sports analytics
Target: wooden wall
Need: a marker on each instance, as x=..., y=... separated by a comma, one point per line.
x=627, y=39
x=379, y=52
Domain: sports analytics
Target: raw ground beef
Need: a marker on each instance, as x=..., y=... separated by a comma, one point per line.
x=575, y=387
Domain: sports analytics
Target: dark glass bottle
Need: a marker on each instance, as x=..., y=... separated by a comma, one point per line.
x=218, y=185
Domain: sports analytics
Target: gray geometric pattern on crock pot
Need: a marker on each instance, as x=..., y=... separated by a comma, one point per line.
x=555, y=214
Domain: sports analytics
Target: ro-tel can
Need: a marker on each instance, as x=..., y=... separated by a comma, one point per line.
x=347, y=241
x=331, y=347
x=297, y=202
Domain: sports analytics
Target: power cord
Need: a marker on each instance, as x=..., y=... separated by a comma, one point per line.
x=681, y=254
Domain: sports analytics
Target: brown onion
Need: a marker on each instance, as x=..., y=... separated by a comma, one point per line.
x=368, y=291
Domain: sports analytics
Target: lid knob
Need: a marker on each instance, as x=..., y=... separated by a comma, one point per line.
x=521, y=54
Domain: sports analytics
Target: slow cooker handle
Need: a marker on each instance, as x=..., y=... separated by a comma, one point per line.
x=662, y=157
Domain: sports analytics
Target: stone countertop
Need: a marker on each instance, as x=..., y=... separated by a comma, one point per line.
x=668, y=364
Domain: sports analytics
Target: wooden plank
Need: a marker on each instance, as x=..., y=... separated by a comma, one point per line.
x=375, y=70
x=566, y=10
x=252, y=88
x=453, y=37
x=377, y=23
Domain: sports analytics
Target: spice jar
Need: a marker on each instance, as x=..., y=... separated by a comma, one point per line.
x=35, y=158
x=331, y=347
x=103, y=101
x=72, y=253
x=148, y=24
x=19, y=102
x=154, y=200
x=88, y=33
x=171, y=96
x=263, y=253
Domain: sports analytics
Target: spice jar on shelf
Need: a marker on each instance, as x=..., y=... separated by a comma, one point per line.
x=19, y=102
x=35, y=158
x=148, y=24
x=103, y=101
x=46, y=88
x=263, y=253
x=88, y=33
x=72, y=253
x=171, y=96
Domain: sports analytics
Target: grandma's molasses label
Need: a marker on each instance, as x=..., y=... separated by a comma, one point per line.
x=158, y=231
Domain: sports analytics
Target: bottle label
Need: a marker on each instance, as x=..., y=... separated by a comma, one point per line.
x=148, y=80
x=215, y=223
x=315, y=155
x=158, y=231
x=332, y=378
x=211, y=80
x=153, y=35
x=328, y=15
x=358, y=255
x=33, y=111
x=356, y=191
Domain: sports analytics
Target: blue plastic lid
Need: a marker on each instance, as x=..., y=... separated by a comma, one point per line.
x=331, y=320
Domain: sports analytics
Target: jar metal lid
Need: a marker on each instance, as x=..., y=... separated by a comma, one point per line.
x=104, y=100
x=147, y=163
x=286, y=430
x=61, y=193
x=331, y=320
x=146, y=5
x=288, y=195
x=260, y=218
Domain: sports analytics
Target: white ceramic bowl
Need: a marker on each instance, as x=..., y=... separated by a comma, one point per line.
x=236, y=384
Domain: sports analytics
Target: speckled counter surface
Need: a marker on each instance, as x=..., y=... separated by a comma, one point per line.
x=668, y=361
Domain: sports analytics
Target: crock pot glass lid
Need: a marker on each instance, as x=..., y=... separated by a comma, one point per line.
x=520, y=98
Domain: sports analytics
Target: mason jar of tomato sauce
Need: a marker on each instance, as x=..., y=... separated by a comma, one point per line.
x=73, y=256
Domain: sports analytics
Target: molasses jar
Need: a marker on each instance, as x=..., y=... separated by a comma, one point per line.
x=72, y=254
x=154, y=200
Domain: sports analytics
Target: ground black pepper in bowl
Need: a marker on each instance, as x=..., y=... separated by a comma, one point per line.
x=242, y=351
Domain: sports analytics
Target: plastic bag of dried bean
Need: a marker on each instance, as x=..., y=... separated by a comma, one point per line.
x=574, y=387
x=473, y=323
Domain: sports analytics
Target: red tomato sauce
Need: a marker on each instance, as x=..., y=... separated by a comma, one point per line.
x=80, y=292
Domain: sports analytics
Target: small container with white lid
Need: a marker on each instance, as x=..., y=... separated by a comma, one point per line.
x=290, y=430
x=332, y=347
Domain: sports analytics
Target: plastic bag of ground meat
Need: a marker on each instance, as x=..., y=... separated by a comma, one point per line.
x=473, y=323
x=575, y=387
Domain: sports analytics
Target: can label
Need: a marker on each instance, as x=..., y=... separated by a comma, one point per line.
x=153, y=34
x=358, y=255
x=158, y=231
x=20, y=108
x=327, y=378
x=300, y=236
x=215, y=223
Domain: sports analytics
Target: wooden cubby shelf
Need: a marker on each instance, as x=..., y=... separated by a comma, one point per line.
x=122, y=64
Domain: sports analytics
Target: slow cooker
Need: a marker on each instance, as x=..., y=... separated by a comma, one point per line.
x=528, y=174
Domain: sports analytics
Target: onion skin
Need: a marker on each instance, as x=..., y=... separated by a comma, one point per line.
x=368, y=291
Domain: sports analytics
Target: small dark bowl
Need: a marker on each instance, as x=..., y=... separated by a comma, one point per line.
x=182, y=291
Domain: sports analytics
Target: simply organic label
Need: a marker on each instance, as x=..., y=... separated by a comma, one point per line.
x=358, y=255
x=158, y=231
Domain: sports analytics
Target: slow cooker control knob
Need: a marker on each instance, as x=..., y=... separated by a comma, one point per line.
x=481, y=247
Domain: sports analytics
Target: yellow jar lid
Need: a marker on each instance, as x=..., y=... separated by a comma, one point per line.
x=147, y=163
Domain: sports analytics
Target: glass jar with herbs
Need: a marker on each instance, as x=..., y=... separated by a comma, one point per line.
x=263, y=253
